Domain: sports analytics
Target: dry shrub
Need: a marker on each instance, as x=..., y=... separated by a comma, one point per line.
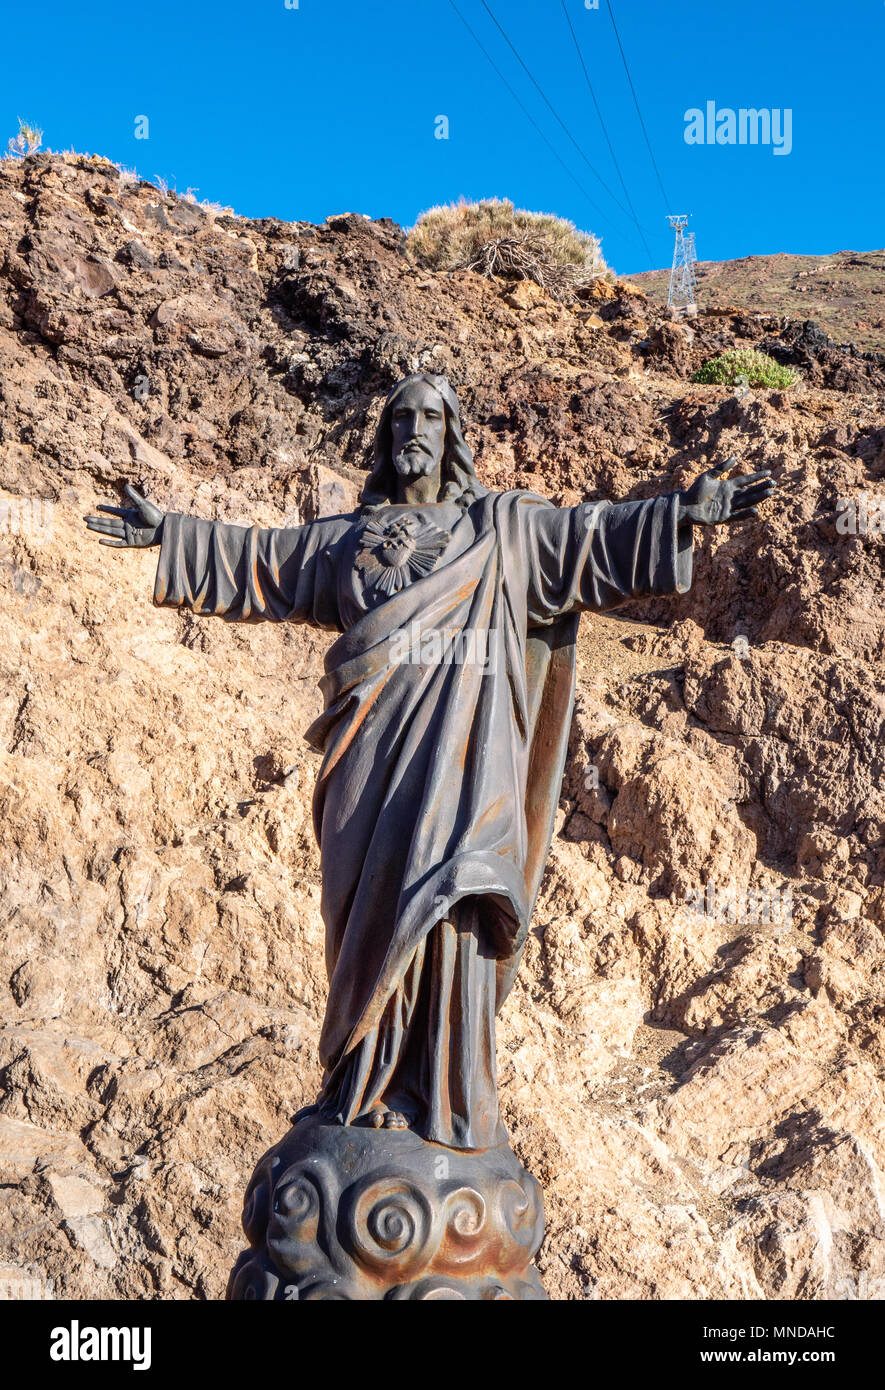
x=495, y=238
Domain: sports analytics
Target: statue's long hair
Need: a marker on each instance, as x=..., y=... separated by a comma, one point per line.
x=459, y=480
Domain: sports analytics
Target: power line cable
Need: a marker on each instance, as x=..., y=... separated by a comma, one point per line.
x=636, y=104
x=528, y=115
x=551, y=107
x=604, y=129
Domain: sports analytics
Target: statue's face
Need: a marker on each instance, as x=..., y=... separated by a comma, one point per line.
x=418, y=426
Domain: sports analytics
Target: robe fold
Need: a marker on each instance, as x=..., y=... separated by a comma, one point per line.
x=446, y=717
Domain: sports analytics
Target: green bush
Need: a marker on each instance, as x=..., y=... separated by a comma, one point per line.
x=454, y=236
x=757, y=367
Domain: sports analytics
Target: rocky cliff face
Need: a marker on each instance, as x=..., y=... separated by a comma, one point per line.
x=697, y=1082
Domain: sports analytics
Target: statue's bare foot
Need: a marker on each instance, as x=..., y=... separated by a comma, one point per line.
x=394, y=1120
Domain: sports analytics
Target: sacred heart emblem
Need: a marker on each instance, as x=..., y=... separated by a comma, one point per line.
x=395, y=552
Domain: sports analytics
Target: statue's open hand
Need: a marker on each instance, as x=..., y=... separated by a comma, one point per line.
x=139, y=525
x=713, y=499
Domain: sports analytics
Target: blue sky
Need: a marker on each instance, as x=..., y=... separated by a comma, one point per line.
x=332, y=105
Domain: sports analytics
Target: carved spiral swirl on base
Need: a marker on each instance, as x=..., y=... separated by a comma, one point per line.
x=388, y=1225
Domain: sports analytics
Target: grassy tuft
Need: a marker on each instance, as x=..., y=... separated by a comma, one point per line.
x=27, y=141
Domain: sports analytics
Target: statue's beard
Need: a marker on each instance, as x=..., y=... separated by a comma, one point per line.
x=415, y=460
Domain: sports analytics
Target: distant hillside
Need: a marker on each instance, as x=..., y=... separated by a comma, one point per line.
x=844, y=292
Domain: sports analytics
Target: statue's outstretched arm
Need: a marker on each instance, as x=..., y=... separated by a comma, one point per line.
x=241, y=573
x=597, y=555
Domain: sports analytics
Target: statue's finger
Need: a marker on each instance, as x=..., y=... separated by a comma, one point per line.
x=109, y=528
x=750, y=498
x=115, y=511
x=749, y=485
x=719, y=468
x=135, y=495
x=759, y=493
x=117, y=544
x=743, y=512
x=147, y=510
x=755, y=480
x=746, y=503
x=753, y=477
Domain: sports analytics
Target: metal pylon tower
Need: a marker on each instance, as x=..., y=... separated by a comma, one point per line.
x=683, y=282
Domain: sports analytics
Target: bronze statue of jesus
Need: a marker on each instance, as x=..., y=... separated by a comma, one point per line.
x=448, y=695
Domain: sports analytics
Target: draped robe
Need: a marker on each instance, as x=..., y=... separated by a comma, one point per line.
x=440, y=778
